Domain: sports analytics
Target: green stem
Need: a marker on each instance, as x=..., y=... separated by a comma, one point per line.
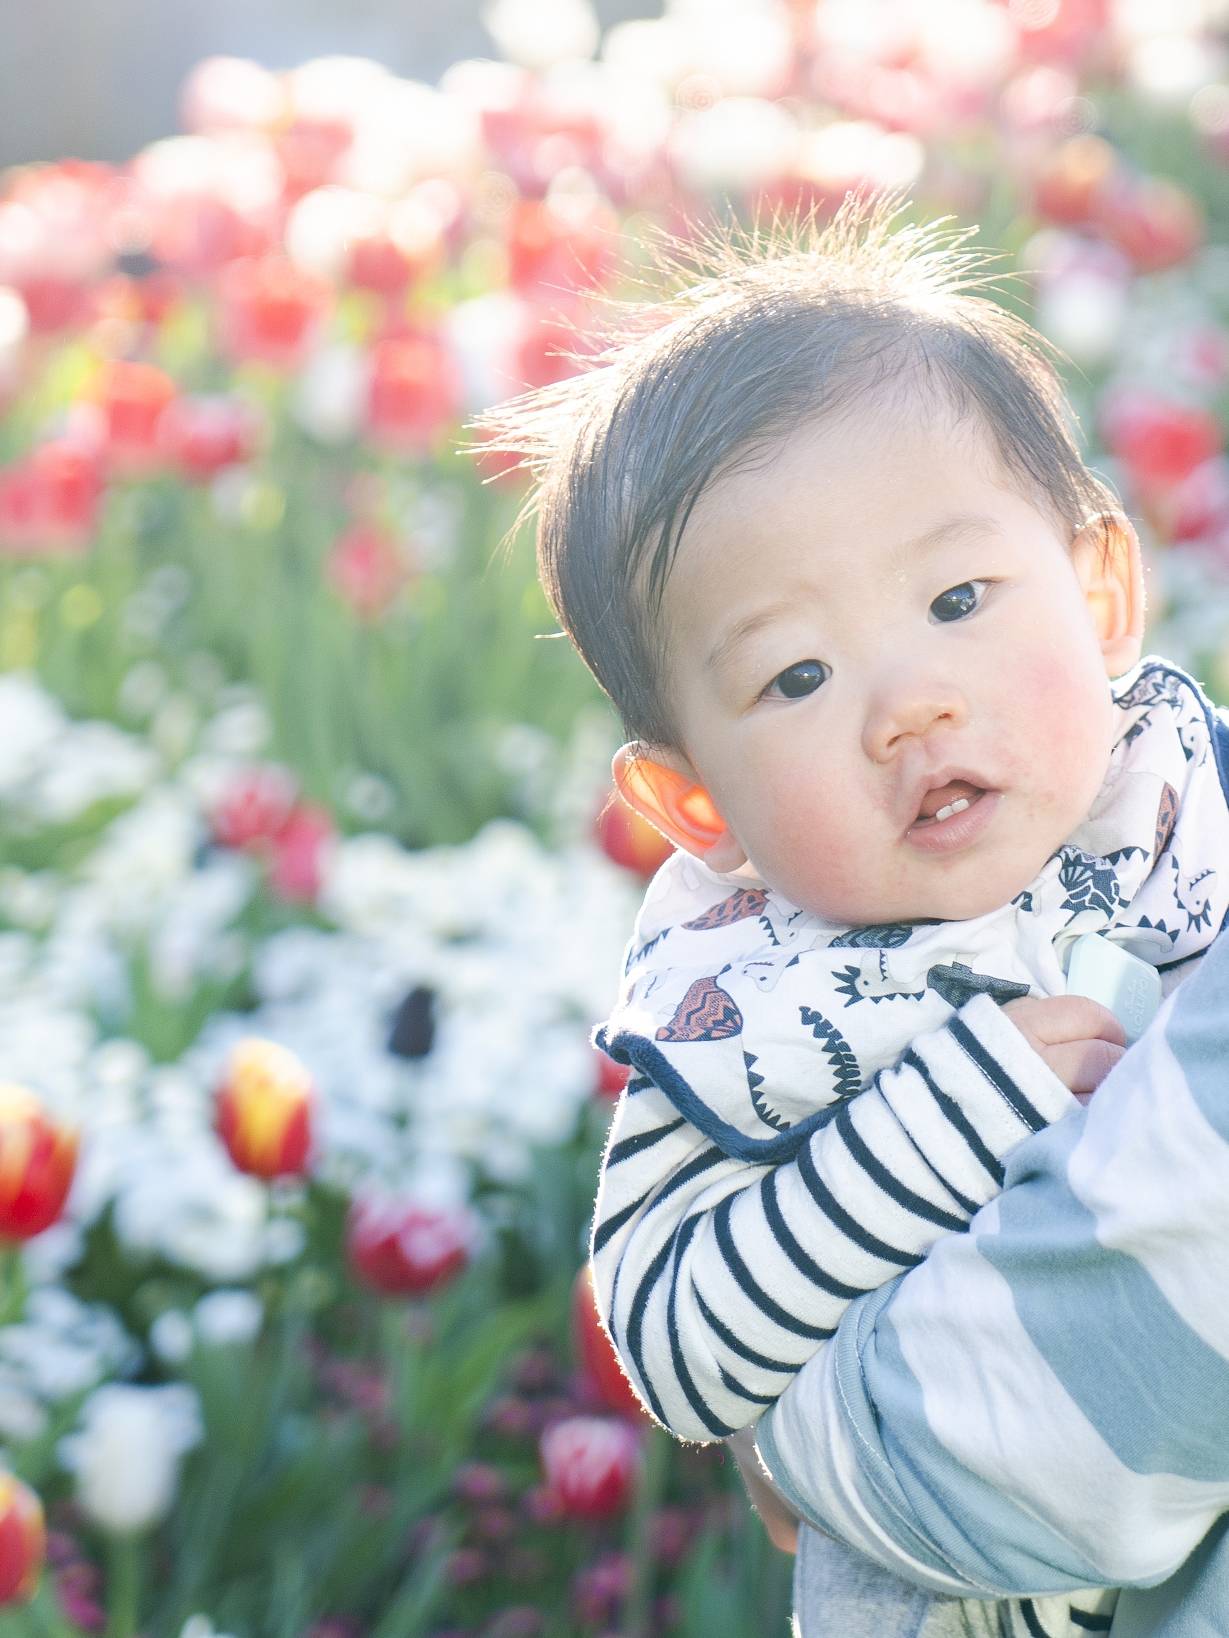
x=46, y=1616
x=123, y=1586
x=637, y=1613
x=13, y=1284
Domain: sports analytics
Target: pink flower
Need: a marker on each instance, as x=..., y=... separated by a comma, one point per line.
x=133, y=398
x=414, y=394
x=270, y=310
x=367, y=569
x=296, y=868
x=1158, y=439
x=254, y=808
x=406, y=1249
x=1154, y=221
x=591, y=1464
x=49, y=501
x=203, y=434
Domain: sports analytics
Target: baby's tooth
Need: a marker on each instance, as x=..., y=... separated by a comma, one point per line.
x=958, y=806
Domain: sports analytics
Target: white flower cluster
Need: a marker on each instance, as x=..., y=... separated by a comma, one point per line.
x=517, y=946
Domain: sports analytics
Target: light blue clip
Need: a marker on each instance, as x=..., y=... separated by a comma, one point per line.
x=1105, y=972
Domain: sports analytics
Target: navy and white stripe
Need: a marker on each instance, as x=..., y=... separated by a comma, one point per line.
x=722, y=1279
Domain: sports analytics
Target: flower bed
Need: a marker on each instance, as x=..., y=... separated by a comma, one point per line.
x=302, y=921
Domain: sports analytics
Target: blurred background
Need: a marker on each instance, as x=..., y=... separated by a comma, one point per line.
x=310, y=886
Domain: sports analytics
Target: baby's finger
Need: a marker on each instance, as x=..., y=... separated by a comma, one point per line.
x=1083, y=1065
x=1062, y=1018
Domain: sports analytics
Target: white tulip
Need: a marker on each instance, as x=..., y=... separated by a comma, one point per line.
x=126, y=1453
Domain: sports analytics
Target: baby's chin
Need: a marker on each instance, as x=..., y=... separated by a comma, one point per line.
x=983, y=893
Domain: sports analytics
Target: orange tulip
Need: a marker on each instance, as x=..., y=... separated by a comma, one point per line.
x=23, y=1540
x=38, y=1155
x=264, y=1110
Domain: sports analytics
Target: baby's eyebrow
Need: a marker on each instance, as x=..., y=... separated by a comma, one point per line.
x=747, y=627
x=959, y=526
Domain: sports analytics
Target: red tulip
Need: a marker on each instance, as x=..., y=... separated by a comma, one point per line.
x=414, y=394
x=1155, y=222
x=264, y=1110
x=629, y=840
x=1159, y=440
x=590, y=1464
x=270, y=310
x=38, y=1156
x=49, y=501
x=23, y=1540
x=596, y=1355
x=405, y=1249
x=203, y=434
x=133, y=399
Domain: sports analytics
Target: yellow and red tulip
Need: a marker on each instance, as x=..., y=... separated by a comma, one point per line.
x=38, y=1155
x=264, y=1110
x=23, y=1540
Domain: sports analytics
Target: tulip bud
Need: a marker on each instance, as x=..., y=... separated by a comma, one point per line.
x=591, y=1465
x=598, y=1360
x=38, y=1156
x=264, y=1110
x=405, y=1249
x=23, y=1540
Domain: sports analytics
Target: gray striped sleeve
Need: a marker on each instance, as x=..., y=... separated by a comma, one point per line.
x=1044, y=1404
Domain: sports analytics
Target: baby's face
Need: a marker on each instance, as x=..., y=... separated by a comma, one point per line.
x=870, y=625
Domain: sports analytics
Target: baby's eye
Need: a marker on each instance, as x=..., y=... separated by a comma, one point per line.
x=798, y=680
x=959, y=602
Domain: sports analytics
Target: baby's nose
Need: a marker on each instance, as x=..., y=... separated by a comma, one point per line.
x=908, y=708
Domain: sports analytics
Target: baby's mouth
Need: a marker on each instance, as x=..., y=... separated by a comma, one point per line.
x=945, y=801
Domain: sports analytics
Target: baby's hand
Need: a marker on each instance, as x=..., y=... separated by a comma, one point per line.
x=1080, y=1039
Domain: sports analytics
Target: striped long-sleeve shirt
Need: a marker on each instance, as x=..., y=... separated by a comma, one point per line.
x=1043, y=1404
x=711, y=1335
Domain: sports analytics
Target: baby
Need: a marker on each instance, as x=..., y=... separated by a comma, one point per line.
x=821, y=532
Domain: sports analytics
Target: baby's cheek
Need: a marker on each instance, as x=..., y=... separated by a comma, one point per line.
x=1064, y=720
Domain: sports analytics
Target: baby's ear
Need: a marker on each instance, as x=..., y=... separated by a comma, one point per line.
x=1106, y=556
x=663, y=789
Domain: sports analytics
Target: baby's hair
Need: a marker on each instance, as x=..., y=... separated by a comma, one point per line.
x=766, y=328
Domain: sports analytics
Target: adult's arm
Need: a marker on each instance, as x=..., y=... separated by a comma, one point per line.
x=1044, y=1403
